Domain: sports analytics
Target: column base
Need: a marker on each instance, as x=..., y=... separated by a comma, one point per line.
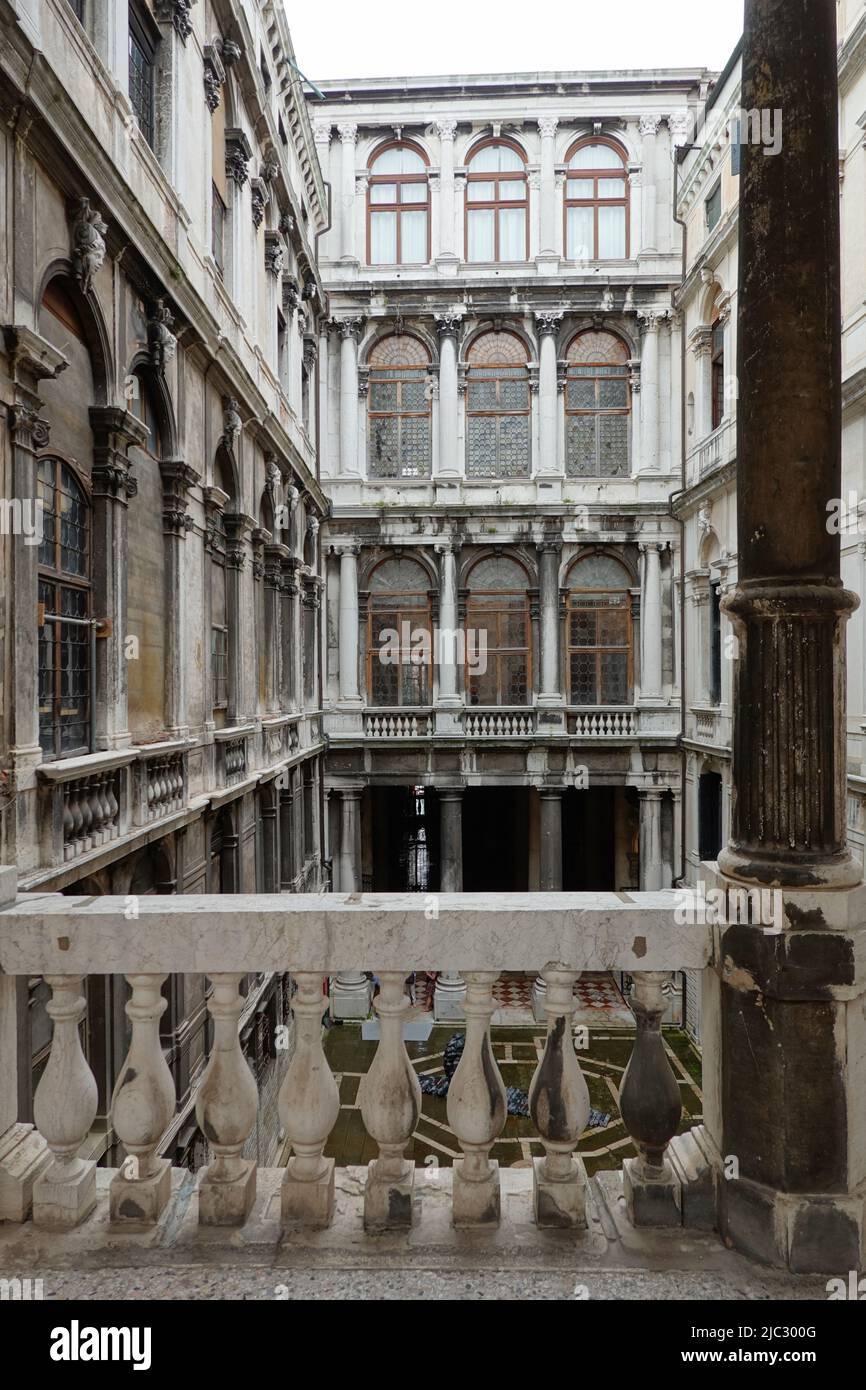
x=388, y=1202
x=807, y=1233
x=138, y=1203
x=559, y=1205
x=308, y=1204
x=24, y=1157
x=351, y=1000
x=651, y=1201
x=474, y=1204
x=227, y=1203
x=839, y=871
x=695, y=1162
x=61, y=1204
x=449, y=1002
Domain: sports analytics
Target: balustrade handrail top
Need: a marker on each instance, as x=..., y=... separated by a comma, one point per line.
x=45, y=934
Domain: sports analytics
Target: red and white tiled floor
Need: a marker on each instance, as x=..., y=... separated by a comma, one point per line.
x=599, y=1000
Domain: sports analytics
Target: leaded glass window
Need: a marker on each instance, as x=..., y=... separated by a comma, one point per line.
x=599, y=632
x=399, y=639
x=596, y=203
x=597, y=407
x=497, y=633
x=398, y=208
x=497, y=408
x=718, y=373
x=497, y=210
x=64, y=666
x=142, y=71
x=399, y=420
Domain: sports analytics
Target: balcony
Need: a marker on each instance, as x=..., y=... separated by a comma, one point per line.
x=521, y=723
x=713, y=452
x=657, y=1212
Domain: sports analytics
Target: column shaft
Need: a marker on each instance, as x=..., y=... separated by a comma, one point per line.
x=348, y=634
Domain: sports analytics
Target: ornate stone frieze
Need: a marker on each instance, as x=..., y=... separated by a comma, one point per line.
x=88, y=243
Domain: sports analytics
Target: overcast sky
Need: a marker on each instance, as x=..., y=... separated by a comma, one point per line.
x=384, y=38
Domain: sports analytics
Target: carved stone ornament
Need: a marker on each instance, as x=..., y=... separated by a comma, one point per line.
x=238, y=154
x=259, y=191
x=88, y=244
x=161, y=342
x=275, y=254
x=178, y=12
x=231, y=53
x=231, y=422
x=291, y=293
x=214, y=75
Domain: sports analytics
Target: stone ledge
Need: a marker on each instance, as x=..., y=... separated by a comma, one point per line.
x=609, y=1259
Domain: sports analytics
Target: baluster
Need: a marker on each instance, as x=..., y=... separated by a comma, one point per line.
x=105, y=806
x=141, y=1110
x=390, y=1101
x=64, y=1108
x=308, y=1106
x=477, y=1109
x=559, y=1106
x=226, y=1112
x=114, y=803
x=650, y=1105
x=68, y=824
x=77, y=818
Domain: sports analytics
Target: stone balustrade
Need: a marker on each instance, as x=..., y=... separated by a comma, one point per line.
x=315, y=936
x=499, y=723
x=388, y=724
x=162, y=784
x=603, y=723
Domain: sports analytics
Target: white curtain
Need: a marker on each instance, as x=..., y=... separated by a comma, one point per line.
x=413, y=238
x=512, y=234
x=580, y=234
x=383, y=238
x=611, y=233
x=480, y=234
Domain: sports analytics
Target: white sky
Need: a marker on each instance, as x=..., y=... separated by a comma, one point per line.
x=391, y=38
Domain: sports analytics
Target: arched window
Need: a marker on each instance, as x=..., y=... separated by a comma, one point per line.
x=498, y=655
x=399, y=652
x=65, y=668
x=596, y=203
x=497, y=408
x=399, y=409
x=497, y=210
x=398, y=208
x=597, y=406
x=599, y=643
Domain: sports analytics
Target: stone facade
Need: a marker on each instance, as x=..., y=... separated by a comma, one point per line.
x=501, y=433
x=160, y=307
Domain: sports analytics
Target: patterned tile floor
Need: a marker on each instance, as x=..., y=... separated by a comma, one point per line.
x=517, y=1051
x=600, y=1000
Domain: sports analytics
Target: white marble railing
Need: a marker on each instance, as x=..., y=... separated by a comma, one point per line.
x=602, y=723
x=397, y=724
x=498, y=723
x=313, y=937
x=705, y=722
x=718, y=448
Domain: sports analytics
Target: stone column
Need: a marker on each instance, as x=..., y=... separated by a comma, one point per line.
x=177, y=479
x=651, y=622
x=649, y=391
x=648, y=126
x=785, y=1006
x=701, y=344
x=238, y=528
x=350, y=330
x=548, y=564
x=550, y=839
x=324, y=432
x=448, y=464
x=676, y=396
x=348, y=133
x=288, y=634
x=352, y=991
x=548, y=417
x=447, y=245
x=289, y=868
x=547, y=190
x=449, y=997
x=651, y=868
x=350, y=697
x=448, y=626
x=114, y=430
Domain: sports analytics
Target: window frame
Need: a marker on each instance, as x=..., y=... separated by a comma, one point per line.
x=398, y=207
x=616, y=170
x=487, y=606
x=218, y=219
x=141, y=33
x=382, y=374
x=418, y=615
x=492, y=371
x=59, y=579
x=712, y=196
x=497, y=203
x=573, y=604
x=717, y=373
x=599, y=374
